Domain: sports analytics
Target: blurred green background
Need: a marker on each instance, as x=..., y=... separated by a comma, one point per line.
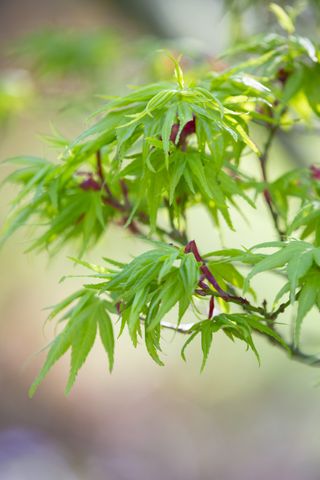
x=235, y=420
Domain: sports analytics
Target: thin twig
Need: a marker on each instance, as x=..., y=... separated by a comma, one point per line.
x=263, y=161
x=126, y=208
x=293, y=352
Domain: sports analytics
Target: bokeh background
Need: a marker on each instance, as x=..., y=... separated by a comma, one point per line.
x=235, y=420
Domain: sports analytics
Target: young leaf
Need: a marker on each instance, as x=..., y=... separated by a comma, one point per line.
x=282, y=17
x=206, y=342
x=58, y=348
x=307, y=298
x=82, y=342
x=106, y=333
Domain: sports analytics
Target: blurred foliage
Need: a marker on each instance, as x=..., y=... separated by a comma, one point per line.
x=81, y=65
x=62, y=53
x=304, y=13
x=16, y=93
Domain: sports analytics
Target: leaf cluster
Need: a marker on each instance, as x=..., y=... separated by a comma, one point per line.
x=86, y=315
x=60, y=202
x=301, y=261
x=61, y=53
x=142, y=293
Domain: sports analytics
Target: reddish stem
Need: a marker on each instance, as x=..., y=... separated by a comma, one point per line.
x=192, y=247
x=211, y=308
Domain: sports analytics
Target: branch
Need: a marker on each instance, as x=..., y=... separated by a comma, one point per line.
x=184, y=328
x=263, y=161
x=294, y=353
x=126, y=208
x=270, y=317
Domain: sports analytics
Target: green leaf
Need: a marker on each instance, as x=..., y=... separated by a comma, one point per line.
x=177, y=169
x=285, y=289
x=282, y=17
x=79, y=334
x=298, y=266
x=246, y=139
x=56, y=309
x=152, y=344
x=197, y=169
x=292, y=85
x=309, y=47
x=206, y=342
x=307, y=298
x=278, y=259
x=167, y=265
x=256, y=324
x=177, y=70
x=168, y=122
x=106, y=333
x=190, y=273
x=311, y=87
x=188, y=341
x=82, y=342
x=58, y=348
x=169, y=295
x=135, y=309
x=316, y=256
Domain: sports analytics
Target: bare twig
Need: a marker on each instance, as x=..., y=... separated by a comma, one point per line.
x=263, y=161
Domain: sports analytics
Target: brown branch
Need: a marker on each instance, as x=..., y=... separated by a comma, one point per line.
x=126, y=207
